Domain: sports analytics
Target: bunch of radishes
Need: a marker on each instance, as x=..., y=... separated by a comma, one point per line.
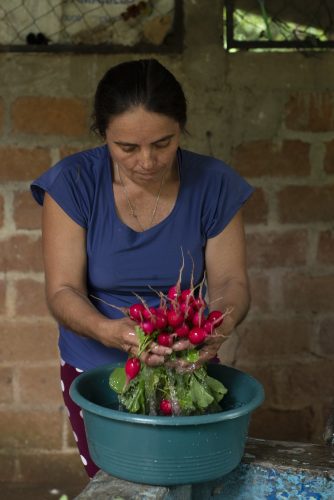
x=180, y=315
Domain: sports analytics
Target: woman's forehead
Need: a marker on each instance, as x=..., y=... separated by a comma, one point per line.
x=138, y=126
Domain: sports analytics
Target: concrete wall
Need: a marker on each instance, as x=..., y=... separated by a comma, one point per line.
x=272, y=117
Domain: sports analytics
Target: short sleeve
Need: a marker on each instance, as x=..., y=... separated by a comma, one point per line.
x=66, y=183
x=226, y=194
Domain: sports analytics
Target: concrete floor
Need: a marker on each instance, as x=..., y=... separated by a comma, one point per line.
x=19, y=491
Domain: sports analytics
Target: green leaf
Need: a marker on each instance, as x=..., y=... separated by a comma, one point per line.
x=144, y=340
x=117, y=380
x=137, y=402
x=192, y=355
x=218, y=389
x=201, y=398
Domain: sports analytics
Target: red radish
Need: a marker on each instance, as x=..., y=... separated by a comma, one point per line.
x=216, y=317
x=199, y=303
x=132, y=368
x=148, y=327
x=208, y=327
x=175, y=318
x=173, y=293
x=165, y=339
x=197, y=335
x=182, y=330
x=136, y=311
x=198, y=319
x=146, y=313
x=166, y=407
x=186, y=296
x=161, y=321
x=187, y=310
x=160, y=311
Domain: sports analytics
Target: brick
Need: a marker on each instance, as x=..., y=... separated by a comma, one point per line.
x=40, y=384
x=310, y=112
x=259, y=287
x=22, y=341
x=256, y=209
x=325, y=253
x=307, y=293
x=305, y=382
x=21, y=253
x=305, y=204
x=273, y=338
x=30, y=298
x=2, y=210
x=52, y=468
x=7, y=467
x=23, y=164
x=282, y=425
x=27, y=213
x=65, y=151
x=2, y=115
x=2, y=296
x=329, y=158
x=275, y=249
x=50, y=116
x=326, y=337
x=265, y=158
x=26, y=429
x=6, y=385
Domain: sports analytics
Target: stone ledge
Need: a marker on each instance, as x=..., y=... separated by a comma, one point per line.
x=269, y=469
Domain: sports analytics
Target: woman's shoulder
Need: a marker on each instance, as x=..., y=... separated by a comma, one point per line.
x=205, y=167
x=90, y=160
x=80, y=170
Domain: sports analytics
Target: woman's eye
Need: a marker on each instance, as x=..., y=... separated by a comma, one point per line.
x=128, y=149
x=162, y=144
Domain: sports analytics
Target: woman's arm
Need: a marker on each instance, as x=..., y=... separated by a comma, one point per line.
x=227, y=279
x=228, y=287
x=65, y=264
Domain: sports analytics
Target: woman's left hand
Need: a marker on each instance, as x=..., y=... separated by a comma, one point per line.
x=208, y=351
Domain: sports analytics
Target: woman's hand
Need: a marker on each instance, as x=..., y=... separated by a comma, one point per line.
x=120, y=334
x=207, y=352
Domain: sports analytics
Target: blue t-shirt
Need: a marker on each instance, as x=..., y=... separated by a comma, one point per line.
x=121, y=261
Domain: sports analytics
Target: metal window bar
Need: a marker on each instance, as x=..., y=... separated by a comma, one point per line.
x=173, y=42
x=310, y=42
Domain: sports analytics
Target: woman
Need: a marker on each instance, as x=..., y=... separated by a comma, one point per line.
x=118, y=218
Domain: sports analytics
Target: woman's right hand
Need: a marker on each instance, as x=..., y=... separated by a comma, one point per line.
x=120, y=334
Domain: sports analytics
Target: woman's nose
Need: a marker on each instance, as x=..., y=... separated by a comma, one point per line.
x=146, y=158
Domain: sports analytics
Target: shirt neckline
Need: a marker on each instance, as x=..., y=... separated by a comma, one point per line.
x=163, y=221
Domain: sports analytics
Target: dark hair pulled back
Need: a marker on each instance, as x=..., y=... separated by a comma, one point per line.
x=144, y=82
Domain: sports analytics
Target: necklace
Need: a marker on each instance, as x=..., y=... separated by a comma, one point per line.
x=132, y=209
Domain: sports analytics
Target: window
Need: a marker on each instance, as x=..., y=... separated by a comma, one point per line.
x=279, y=24
x=90, y=25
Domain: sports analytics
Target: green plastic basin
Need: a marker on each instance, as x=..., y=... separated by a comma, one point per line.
x=166, y=450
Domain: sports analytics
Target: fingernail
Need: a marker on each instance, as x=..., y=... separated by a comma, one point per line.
x=168, y=350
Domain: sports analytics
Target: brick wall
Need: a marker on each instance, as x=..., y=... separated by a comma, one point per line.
x=287, y=339
x=35, y=435
x=276, y=127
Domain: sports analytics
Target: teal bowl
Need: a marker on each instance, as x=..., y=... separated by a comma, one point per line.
x=160, y=450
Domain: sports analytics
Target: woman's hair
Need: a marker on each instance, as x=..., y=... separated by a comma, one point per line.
x=145, y=83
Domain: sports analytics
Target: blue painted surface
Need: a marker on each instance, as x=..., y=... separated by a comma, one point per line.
x=253, y=482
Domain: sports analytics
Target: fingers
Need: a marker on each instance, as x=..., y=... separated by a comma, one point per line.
x=160, y=350
x=154, y=357
x=181, y=345
x=153, y=360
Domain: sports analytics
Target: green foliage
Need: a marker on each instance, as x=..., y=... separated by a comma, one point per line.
x=192, y=393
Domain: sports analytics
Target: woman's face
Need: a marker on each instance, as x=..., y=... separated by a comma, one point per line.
x=143, y=144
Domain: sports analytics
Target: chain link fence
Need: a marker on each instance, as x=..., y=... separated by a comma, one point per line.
x=279, y=23
x=47, y=23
